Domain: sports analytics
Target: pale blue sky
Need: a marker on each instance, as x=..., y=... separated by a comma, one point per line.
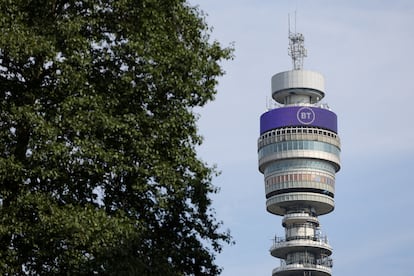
x=365, y=50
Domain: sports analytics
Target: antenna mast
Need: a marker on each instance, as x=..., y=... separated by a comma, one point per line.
x=296, y=47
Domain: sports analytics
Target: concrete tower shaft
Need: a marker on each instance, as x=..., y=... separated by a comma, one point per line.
x=298, y=152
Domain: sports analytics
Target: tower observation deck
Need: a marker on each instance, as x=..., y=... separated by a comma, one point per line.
x=298, y=152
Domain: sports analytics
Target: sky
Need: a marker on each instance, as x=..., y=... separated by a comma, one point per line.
x=365, y=50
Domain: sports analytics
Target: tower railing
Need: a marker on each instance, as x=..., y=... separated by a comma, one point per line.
x=321, y=239
x=275, y=105
x=325, y=262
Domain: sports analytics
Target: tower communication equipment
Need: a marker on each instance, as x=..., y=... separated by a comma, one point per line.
x=296, y=47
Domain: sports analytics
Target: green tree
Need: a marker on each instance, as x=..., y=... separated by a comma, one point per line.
x=98, y=166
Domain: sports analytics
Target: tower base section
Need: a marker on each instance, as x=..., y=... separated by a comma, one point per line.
x=302, y=269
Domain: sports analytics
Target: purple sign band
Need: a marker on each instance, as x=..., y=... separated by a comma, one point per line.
x=298, y=116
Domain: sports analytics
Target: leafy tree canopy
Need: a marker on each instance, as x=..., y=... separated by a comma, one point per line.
x=98, y=168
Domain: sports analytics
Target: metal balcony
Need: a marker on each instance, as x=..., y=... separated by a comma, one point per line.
x=299, y=269
x=317, y=245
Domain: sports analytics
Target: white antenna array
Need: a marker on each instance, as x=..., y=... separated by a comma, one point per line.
x=296, y=47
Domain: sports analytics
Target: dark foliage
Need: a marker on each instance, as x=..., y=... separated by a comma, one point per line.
x=98, y=168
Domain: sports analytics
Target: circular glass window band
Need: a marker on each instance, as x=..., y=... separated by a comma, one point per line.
x=299, y=154
x=299, y=190
x=280, y=204
x=298, y=145
x=297, y=130
x=298, y=164
x=298, y=133
x=276, y=188
x=299, y=177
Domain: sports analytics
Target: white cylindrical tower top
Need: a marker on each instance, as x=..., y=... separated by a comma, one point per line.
x=298, y=87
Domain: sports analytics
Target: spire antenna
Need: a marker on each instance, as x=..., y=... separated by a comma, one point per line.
x=296, y=47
